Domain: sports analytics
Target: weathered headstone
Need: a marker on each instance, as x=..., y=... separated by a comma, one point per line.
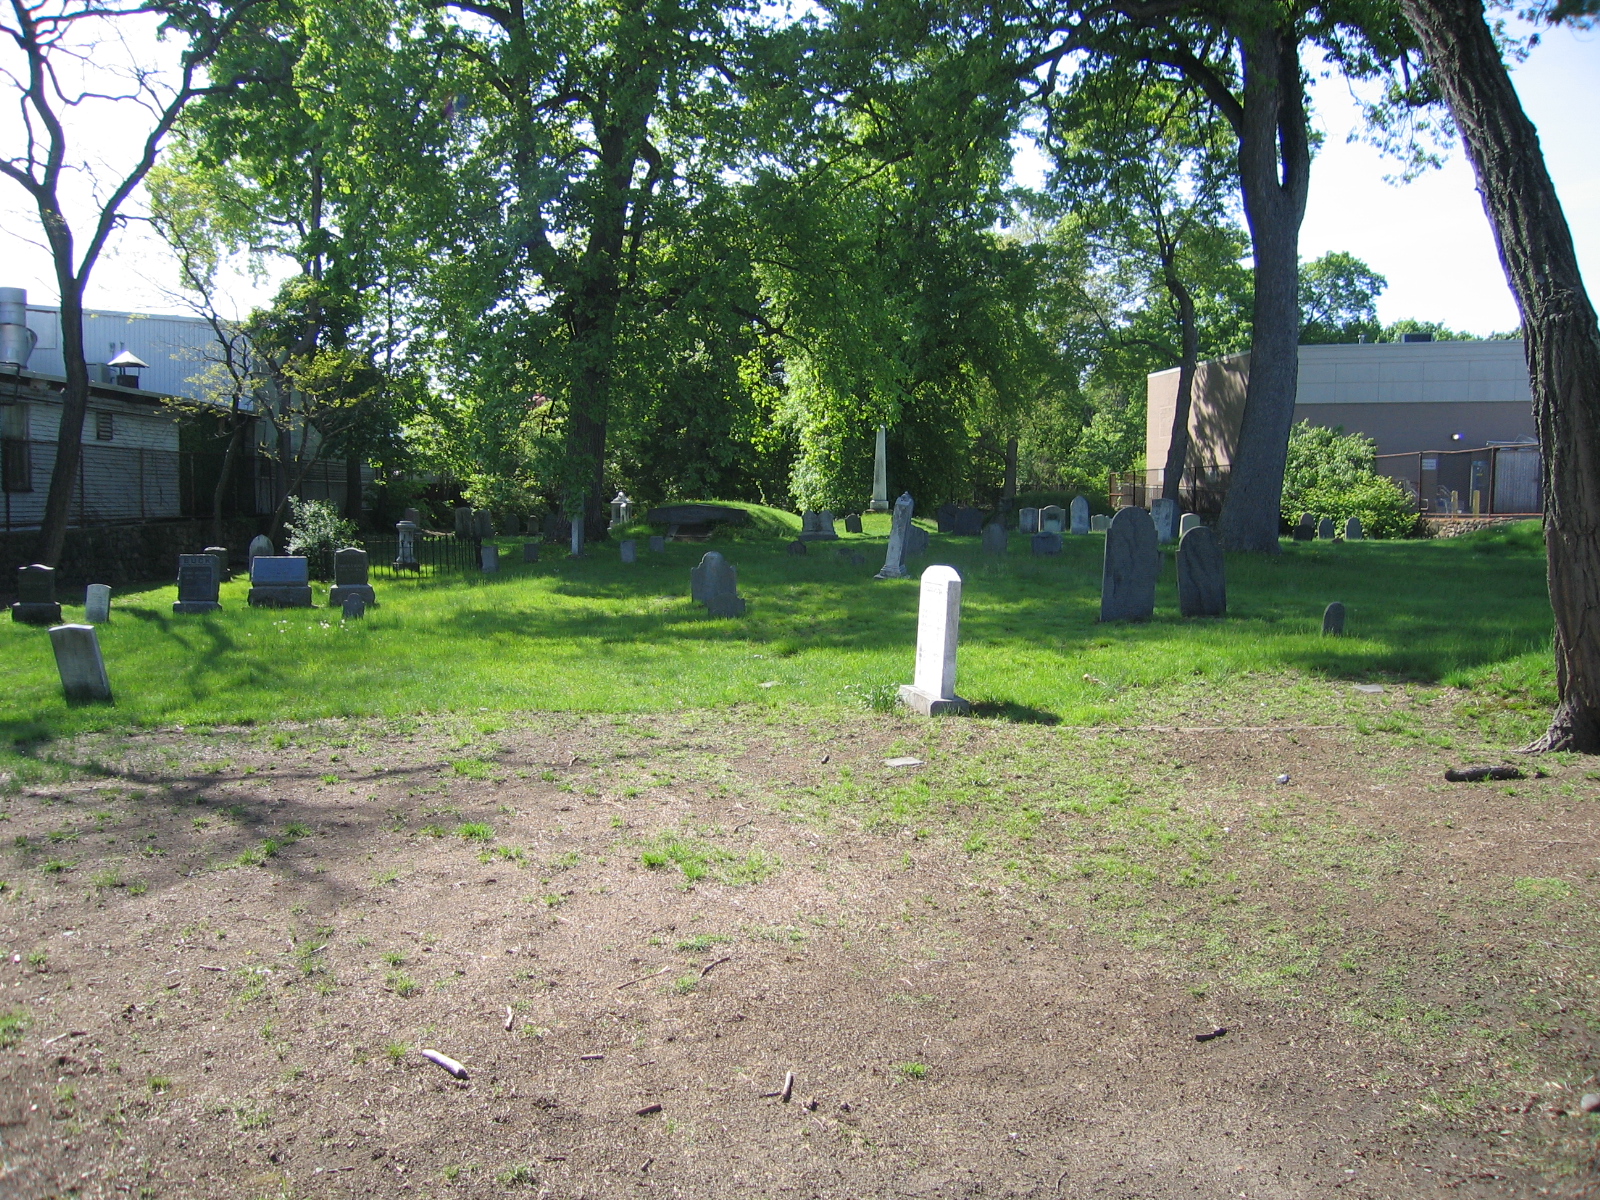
x=852, y=556
x=968, y=522
x=880, y=473
x=658, y=544
x=1202, y=575
x=412, y=515
x=932, y=690
x=715, y=583
x=198, y=582
x=994, y=538
x=280, y=581
x=900, y=527
x=482, y=523
x=629, y=550
x=1306, y=529
x=797, y=548
x=1045, y=543
x=97, y=604
x=1079, y=517
x=405, y=538
x=353, y=608
x=490, y=558
x=829, y=533
x=1164, y=516
x=509, y=524
x=945, y=517
x=530, y=552
x=817, y=527
x=1099, y=523
x=1333, y=620
x=1052, y=519
x=350, y=577
x=1028, y=520
x=36, y=596
x=1132, y=563
x=918, y=540
x=1325, y=529
x=78, y=662
x=1187, y=522
x=1352, y=529
x=463, y=523
x=576, y=537
x=259, y=545
x=852, y=523
x=220, y=553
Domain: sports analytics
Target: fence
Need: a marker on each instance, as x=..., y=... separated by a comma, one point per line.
x=436, y=553
x=1493, y=480
x=1203, y=495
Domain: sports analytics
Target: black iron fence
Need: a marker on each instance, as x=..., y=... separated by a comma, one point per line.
x=435, y=554
x=1202, y=494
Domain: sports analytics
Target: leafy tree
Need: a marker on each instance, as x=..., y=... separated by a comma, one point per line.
x=1332, y=474
x=1339, y=299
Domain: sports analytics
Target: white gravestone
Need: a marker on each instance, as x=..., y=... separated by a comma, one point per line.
x=405, y=554
x=260, y=545
x=577, y=536
x=1052, y=519
x=97, y=604
x=629, y=550
x=78, y=662
x=1080, y=515
x=1189, y=521
x=1164, y=513
x=1099, y=523
x=932, y=691
x=880, y=473
x=491, y=559
x=894, y=559
x=1028, y=520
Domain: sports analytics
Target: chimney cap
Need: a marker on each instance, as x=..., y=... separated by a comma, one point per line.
x=127, y=359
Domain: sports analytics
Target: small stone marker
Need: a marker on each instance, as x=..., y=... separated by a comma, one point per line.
x=852, y=523
x=411, y=515
x=530, y=552
x=1132, y=563
x=260, y=545
x=932, y=691
x=902, y=762
x=1202, y=577
x=1333, y=620
x=917, y=541
x=1352, y=529
x=994, y=538
x=576, y=534
x=198, y=582
x=1045, y=543
x=1325, y=530
x=1079, y=510
x=894, y=559
x=945, y=517
x=658, y=544
x=1052, y=519
x=354, y=607
x=1187, y=522
x=1099, y=523
x=629, y=550
x=1028, y=520
x=97, y=604
x=280, y=581
x=482, y=524
x=854, y=557
x=36, y=596
x=1164, y=514
x=220, y=553
x=350, y=570
x=405, y=538
x=797, y=548
x=715, y=583
x=1306, y=529
x=78, y=662
x=463, y=523
x=490, y=558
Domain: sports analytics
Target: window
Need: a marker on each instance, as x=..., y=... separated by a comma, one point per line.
x=16, y=455
x=104, y=426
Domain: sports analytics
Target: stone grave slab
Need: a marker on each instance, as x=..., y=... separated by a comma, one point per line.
x=1333, y=620
x=628, y=551
x=350, y=577
x=900, y=527
x=658, y=544
x=1325, y=529
x=198, y=584
x=852, y=523
x=1202, y=575
x=220, y=553
x=280, y=581
x=968, y=522
x=1028, y=520
x=80, y=665
x=715, y=583
x=405, y=540
x=994, y=538
x=530, y=552
x=1045, y=543
x=1078, y=515
x=796, y=548
x=36, y=596
x=1052, y=519
x=1132, y=565
x=944, y=517
x=1099, y=523
x=97, y=604
x=260, y=545
x=1164, y=515
x=1187, y=522
x=489, y=557
x=932, y=690
x=1352, y=529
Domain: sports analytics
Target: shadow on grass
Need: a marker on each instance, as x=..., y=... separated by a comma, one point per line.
x=1017, y=714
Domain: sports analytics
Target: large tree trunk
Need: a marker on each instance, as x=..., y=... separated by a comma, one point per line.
x=1008, y=490
x=74, y=407
x=1274, y=170
x=224, y=477
x=1178, y=448
x=1562, y=339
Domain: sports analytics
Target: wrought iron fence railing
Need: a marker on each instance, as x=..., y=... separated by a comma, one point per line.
x=435, y=554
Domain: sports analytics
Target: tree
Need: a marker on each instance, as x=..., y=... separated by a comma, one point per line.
x=52, y=39
x=1561, y=335
x=1339, y=299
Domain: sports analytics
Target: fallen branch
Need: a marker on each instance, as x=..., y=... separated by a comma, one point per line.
x=706, y=970
x=445, y=1061
x=641, y=979
x=1479, y=774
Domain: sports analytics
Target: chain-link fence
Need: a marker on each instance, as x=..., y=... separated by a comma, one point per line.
x=1494, y=480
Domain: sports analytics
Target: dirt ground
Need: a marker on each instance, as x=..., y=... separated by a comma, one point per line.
x=224, y=950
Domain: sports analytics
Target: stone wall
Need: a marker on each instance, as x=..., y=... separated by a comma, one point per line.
x=1448, y=527
x=123, y=554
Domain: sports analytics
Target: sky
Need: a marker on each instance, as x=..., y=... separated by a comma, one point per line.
x=1429, y=237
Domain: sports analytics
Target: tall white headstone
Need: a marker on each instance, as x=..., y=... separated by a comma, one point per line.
x=1164, y=513
x=880, y=473
x=932, y=690
x=577, y=536
x=78, y=661
x=97, y=604
x=1079, y=515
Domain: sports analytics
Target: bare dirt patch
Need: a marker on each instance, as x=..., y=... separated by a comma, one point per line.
x=224, y=950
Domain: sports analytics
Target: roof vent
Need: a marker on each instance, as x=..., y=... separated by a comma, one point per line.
x=16, y=339
x=1416, y=337
x=125, y=369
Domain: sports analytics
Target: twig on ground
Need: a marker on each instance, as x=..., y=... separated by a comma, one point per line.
x=641, y=979
x=204, y=967
x=445, y=1061
x=706, y=970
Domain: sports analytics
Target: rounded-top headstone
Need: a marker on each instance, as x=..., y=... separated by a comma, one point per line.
x=1132, y=565
x=796, y=547
x=1333, y=620
x=260, y=547
x=97, y=604
x=1325, y=529
x=1202, y=581
x=1352, y=529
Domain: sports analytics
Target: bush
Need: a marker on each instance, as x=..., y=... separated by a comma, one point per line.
x=316, y=530
x=1334, y=474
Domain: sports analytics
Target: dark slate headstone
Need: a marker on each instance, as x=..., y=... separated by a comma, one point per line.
x=994, y=539
x=854, y=557
x=530, y=552
x=900, y=531
x=463, y=522
x=1333, y=620
x=715, y=583
x=482, y=524
x=1132, y=564
x=658, y=544
x=1045, y=543
x=629, y=550
x=1325, y=530
x=36, y=596
x=1202, y=578
x=556, y=527
x=350, y=570
x=1303, y=533
x=945, y=517
x=353, y=608
x=279, y=581
x=968, y=522
x=1352, y=529
x=797, y=548
x=852, y=523
x=220, y=553
x=917, y=540
x=198, y=582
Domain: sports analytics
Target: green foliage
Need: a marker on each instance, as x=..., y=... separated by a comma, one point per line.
x=316, y=530
x=1339, y=299
x=1331, y=474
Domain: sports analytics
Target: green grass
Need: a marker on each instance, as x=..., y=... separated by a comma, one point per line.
x=594, y=635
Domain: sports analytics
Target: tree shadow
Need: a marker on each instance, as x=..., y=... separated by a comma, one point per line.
x=1017, y=714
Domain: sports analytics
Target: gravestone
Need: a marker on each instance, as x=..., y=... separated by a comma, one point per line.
x=1079, y=515
x=1099, y=523
x=621, y=509
x=932, y=690
x=405, y=539
x=1325, y=530
x=353, y=608
x=463, y=523
x=280, y=581
x=1202, y=577
x=555, y=527
x=1028, y=520
x=1306, y=529
x=797, y=548
x=482, y=524
x=917, y=541
x=78, y=662
x=900, y=527
x=36, y=596
x=658, y=544
x=854, y=557
x=575, y=537
x=968, y=522
x=715, y=583
x=629, y=550
x=829, y=533
x=945, y=517
x=1189, y=521
x=1052, y=519
x=220, y=553
x=509, y=524
x=1352, y=529
x=350, y=577
x=880, y=473
x=1132, y=563
x=530, y=552
x=994, y=538
x=1333, y=620
x=490, y=558
x=1045, y=543
x=97, y=604
x=817, y=527
x=411, y=515
x=198, y=582
x=852, y=523
x=1164, y=515
x=259, y=545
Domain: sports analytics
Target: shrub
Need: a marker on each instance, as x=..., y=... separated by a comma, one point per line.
x=316, y=530
x=1334, y=474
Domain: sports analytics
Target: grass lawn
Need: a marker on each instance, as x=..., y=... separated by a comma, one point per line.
x=595, y=635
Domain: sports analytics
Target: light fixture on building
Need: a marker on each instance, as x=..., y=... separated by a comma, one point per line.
x=1456, y=437
x=125, y=369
